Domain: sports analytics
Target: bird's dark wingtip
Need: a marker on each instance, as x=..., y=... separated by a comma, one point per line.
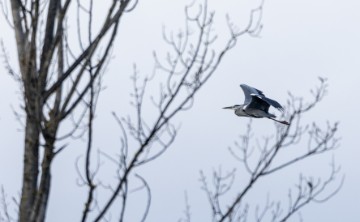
x=280, y=109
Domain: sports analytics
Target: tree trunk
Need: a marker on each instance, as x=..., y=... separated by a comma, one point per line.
x=38, y=212
x=31, y=159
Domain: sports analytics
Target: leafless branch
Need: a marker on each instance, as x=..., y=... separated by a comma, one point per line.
x=148, y=191
x=187, y=67
x=320, y=140
x=88, y=174
x=4, y=207
x=187, y=213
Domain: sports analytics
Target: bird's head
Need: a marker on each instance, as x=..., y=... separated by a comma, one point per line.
x=234, y=107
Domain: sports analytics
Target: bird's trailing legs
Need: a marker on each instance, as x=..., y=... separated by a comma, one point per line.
x=279, y=121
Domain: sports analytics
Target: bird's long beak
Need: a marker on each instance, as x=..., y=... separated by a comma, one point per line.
x=228, y=107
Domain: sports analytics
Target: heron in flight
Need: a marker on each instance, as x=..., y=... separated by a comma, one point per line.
x=256, y=105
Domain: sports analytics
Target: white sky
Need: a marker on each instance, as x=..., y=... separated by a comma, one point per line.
x=300, y=41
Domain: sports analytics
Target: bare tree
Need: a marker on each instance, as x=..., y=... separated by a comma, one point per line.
x=47, y=65
x=261, y=159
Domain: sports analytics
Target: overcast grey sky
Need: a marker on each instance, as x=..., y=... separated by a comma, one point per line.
x=300, y=41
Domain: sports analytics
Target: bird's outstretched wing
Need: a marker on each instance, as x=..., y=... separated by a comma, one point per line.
x=251, y=92
x=258, y=104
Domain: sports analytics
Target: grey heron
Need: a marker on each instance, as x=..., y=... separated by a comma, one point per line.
x=256, y=105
